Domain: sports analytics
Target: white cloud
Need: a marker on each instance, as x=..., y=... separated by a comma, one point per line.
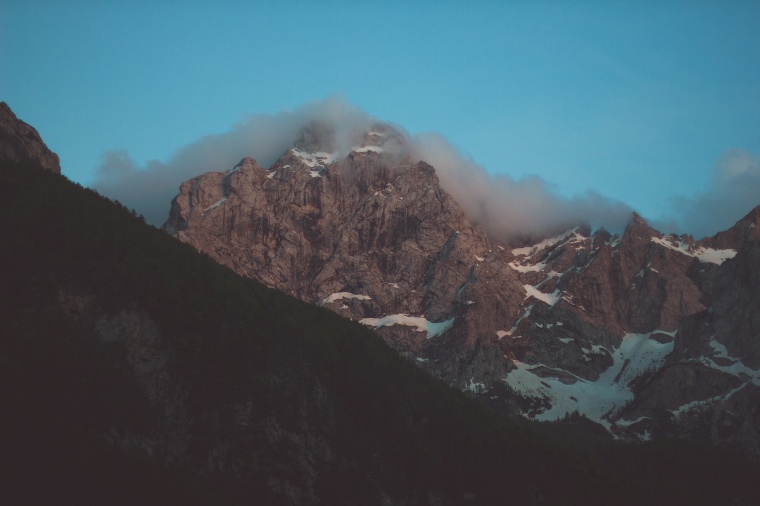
x=733, y=192
x=506, y=207
x=509, y=207
x=149, y=189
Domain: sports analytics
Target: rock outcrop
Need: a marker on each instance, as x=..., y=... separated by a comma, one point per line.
x=20, y=142
x=586, y=322
x=376, y=242
x=714, y=364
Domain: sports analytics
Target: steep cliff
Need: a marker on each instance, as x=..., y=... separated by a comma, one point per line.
x=575, y=322
x=371, y=236
x=20, y=142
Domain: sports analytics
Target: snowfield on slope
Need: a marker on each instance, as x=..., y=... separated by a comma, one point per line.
x=594, y=399
x=705, y=255
x=433, y=329
x=318, y=159
x=344, y=295
x=549, y=298
x=548, y=243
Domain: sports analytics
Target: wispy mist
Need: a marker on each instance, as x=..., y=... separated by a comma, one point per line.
x=149, y=189
x=509, y=207
x=733, y=192
x=505, y=206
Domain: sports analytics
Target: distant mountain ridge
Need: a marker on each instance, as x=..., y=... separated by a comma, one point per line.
x=584, y=322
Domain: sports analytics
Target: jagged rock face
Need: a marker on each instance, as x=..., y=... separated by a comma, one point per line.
x=20, y=142
x=379, y=243
x=685, y=317
x=583, y=322
x=634, y=285
x=746, y=230
x=714, y=364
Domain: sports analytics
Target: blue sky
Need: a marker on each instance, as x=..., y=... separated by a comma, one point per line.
x=654, y=104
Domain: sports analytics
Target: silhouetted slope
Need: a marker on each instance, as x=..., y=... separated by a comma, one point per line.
x=317, y=387
x=135, y=370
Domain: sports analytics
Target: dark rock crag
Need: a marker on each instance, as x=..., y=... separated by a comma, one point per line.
x=20, y=142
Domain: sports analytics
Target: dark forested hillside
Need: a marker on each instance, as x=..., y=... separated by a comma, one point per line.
x=135, y=370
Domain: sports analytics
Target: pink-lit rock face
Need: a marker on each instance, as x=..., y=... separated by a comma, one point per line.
x=580, y=321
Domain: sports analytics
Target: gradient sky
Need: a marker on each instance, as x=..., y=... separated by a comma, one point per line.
x=650, y=103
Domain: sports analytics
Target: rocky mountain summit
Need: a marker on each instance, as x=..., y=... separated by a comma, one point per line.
x=128, y=354
x=646, y=334
x=20, y=142
x=372, y=236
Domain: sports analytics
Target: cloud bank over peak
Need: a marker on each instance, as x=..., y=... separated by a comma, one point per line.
x=510, y=208
x=149, y=189
x=733, y=192
x=506, y=207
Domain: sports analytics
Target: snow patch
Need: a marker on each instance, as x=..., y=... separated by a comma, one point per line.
x=705, y=255
x=215, y=204
x=735, y=369
x=596, y=349
x=628, y=423
x=344, y=295
x=316, y=159
x=364, y=149
x=707, y=402
x=549, y=298
x=570, y=237
x=502, y=333
x=546, y=243
x=475, y=388
x=568, y=297
x=718, y=348
x=433, y=329
x=599, y=399
x=527, y=268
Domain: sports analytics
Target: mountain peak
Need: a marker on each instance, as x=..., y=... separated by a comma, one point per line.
x=744, y=231
x=323, y=137
x=246, y=163
x=637, y=218
x=20, y=142
x=638, y=228
x=383, y=135
x=377, y=239
x=316, y=136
